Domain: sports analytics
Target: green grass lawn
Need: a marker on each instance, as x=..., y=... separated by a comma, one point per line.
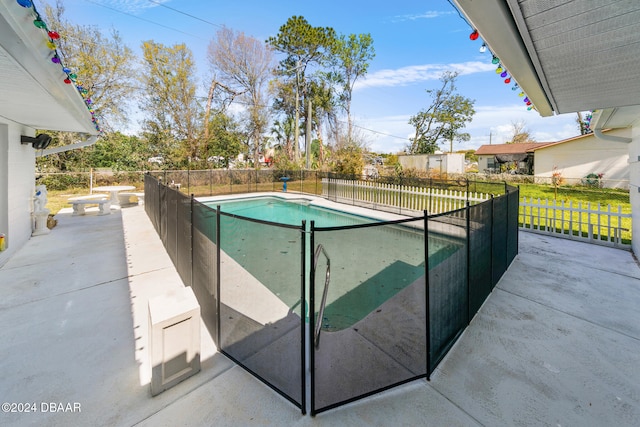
x=576, y=223
x=59, y=199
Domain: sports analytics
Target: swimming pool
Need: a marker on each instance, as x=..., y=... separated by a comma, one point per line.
x=291, y=211
x=382, y=332
x=394, y=254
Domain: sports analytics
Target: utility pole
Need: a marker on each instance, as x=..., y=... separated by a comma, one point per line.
x=490, y=136
x=307, y=136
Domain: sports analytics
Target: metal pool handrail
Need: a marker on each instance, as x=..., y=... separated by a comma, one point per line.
x=316, y=256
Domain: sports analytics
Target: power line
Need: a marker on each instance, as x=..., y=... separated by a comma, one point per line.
x=186, y=14
x=378, y=132
x=143, y=19
x=215, y=25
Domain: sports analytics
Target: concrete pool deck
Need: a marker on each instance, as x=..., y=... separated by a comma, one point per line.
x=556, y=343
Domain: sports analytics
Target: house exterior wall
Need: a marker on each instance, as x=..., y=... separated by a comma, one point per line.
x=447, y=163
x=634, y=186
x=590, y=155
x=17, y=186
x=486, y=163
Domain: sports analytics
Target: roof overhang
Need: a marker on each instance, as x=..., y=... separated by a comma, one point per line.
x=566, y=56
x=32, y=86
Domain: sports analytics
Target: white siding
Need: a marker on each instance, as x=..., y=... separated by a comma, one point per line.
x=579, y=158
x=634, y=186
x=17, y=185
x=445, y=163
x=483, y=162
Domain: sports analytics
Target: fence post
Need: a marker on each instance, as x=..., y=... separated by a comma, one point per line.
x=506, y=237
x=516, y=229
x=191, y=239
x=303, y=320
x=426, y=293
x=218, y=277
x=491, y=254
x=353, y=189
x=468, y=212
x=467, y=189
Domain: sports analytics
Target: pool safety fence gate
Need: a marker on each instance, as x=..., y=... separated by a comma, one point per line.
x=384, y=304
x=236, y=275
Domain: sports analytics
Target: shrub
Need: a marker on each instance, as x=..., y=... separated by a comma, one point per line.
x=63, y=181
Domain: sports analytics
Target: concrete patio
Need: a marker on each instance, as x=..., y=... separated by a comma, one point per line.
x=557, y=342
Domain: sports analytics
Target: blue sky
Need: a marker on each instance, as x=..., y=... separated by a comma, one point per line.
x=415, y=41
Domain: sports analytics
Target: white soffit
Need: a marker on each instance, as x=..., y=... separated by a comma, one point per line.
x=32, y=88
x=585, y=54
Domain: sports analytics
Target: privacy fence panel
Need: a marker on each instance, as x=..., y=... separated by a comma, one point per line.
x=448, y=296
x=499, y=240
x=480, y=253
x=152, y=190
x=262, y=306
x=513, y=209
x=205, y=265
x=368, y=300
x=171, y=231
x=183, y=259
x=163, y=217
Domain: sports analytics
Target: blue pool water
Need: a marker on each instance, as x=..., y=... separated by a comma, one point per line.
x=289, y=211
x=369, y=265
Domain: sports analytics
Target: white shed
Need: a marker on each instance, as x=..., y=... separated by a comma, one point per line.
x=449, y=163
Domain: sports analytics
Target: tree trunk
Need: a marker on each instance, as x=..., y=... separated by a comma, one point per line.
x=320, y=148
x=212, y=88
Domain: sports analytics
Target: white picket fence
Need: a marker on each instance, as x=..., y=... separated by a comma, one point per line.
x=574, y=220
x=371, y=193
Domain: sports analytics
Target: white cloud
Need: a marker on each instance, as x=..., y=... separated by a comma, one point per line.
x=497, y=121
x=419, y=73
x=488, y=120
x=131, y=6
x=426, y=15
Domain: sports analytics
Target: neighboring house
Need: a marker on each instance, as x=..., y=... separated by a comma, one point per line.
x=502, y=157
x=439, y=163
x=568, y=57
x=581, y=158
x=34, y=97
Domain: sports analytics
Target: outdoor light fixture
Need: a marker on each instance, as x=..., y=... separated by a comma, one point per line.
x=40, y=142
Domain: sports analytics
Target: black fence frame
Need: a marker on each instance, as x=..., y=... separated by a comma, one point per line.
x=174, y=216
x=488, y=230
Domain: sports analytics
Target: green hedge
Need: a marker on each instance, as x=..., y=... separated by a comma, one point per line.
x=64, y=181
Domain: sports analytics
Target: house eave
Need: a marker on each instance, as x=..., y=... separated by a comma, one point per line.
x=507, y=44
x=39, y=97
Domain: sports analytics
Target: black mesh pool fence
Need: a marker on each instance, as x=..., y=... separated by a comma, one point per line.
x=384, y=307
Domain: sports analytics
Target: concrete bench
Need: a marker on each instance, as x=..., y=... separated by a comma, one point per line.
x=89, y=197
x=140, y=197
x=104, y=205
x=128, y=199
